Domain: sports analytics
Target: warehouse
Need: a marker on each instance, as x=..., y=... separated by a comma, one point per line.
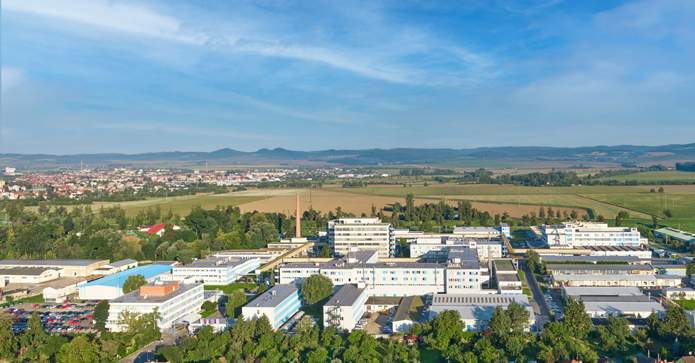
x=632, y=260
x=476, y=310
x=346, y=307
x=79, y=268
x=636, y=307
x=591, y=269
x=679, y=293
x=111, y=287
x=28, y=275
x=278, y=304
x=59, y=292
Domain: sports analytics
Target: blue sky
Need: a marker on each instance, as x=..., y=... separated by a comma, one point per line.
x=91, y=76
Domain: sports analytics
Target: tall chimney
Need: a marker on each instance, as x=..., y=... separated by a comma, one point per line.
x=298, y=231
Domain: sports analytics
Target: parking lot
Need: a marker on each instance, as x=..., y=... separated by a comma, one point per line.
x=377, y=323
x=56, y=318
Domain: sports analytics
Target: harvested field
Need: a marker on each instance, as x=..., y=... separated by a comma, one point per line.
x=327, y=200
x=657, y=176
x=485, y=189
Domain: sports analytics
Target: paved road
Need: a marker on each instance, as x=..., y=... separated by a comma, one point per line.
x=147, y=353
x=539, y=304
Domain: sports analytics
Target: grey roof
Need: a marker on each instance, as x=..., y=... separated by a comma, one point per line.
x=410, y=309
x=625, y=277
x=274, y=297
x=634, y=259
x=611, y=248
x=508, y=277
x=592, y=267
x=605, y=298
x=346, y=296
x=468, y=258
x=637, y=322
x=135, y=297
x=48, y=263
x=623, y=307
x=504, y=265
x=213, y=263
x=479, y=306
x=20, y=271
x=120, y=263
x=601, y=291
x=384, y=300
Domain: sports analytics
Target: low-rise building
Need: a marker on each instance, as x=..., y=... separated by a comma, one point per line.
x=59, y=292
x=216, y=271
x=632, y=306
x=679, y=293
x=264, y=256
x=114, y=267
x=346, y=307
x=601, y=269
x=581, y=292
x=632, y=260
x=619, y=251
x=171, y=299
x=79, y=268
x=111, y=287
x=476, y=310
x=408, y=313
x=28, y=275
x=674, y=234
x=218, y=325
x=507, y=277
x=558, y=280
x=439, y=247
x=483, y=232
x=579, y=234
x=278, y=304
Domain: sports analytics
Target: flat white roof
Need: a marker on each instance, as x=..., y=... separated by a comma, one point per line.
x=623, y=306
x=602, y=291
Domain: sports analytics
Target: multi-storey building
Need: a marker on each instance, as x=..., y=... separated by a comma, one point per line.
x=278, y=304
x=461, y=273
x=438, y=247
x=578, y=234
x=363, y=234
x=346, y=307
x=171, y=299
x=216, y=271
x=483, y=232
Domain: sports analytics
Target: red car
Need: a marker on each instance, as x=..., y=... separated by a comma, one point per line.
x=88, y=316
x=36, y=305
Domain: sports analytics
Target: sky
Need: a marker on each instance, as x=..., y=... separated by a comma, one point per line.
x=97, y=76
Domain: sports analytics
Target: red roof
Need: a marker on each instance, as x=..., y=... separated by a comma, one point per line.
x=156, y=228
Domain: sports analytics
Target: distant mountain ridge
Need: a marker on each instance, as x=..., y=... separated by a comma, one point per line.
x=365, y=157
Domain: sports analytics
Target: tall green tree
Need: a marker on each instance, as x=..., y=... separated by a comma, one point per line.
x=325, y=251
x=500, y=324
x=519, y=317
x=577, y=320
x=316, y=288
x=236, y=298
x=133, y=282
x=101, y=314
x=80, y=350
x=533, y=260
x=263, y=326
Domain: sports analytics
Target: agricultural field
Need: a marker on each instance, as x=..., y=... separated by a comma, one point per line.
x=657, y=176
x=487, y=189
x=681, y=205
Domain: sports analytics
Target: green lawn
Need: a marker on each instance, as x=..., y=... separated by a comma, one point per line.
x=521, y=275
x=231, y=287
x=31, y=300
x=686, y=304
x=429, y=355
x=527, y=292
x=205, y=314
x=680, y=205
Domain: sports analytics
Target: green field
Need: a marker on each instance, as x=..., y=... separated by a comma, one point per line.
x=657, y=176
x=681, y=205
x=227, y=289
x=491, y=190
x=686, y=304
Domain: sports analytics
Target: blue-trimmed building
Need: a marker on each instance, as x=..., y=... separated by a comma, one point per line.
x=278, y=304
x=216, y=271
x=111, y=287
x=346, y=307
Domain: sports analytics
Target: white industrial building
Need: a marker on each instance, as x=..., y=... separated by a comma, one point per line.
x=679, y=293
x=462, y=273
x=278, y=304
x=115, y=267
x=600, y=269
x=111, y=287
x=345, y=308
x=619, y=251
x=580, y=292
x=216, y=271
x=632, y=306
x=171, y=299
x=59, y=292
x=507, y=277
x=438, y=247
x=264, y=255
x=362, y=233
x=483, y=232
x=28, y=275
x=580, y=234
x=476, y=310
x=616, y=280
x=78, y=268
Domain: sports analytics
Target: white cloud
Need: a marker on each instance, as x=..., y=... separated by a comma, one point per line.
x=108, y=15
x=11, y=77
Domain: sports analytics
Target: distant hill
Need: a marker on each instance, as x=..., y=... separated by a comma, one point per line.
x=625, y=153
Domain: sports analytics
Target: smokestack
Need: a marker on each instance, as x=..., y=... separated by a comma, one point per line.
x=298, y=231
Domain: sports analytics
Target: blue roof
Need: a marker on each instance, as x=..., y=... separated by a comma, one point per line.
x=117, y=280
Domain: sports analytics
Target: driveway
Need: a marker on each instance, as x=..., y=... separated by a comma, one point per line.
x=538, y=302
x=146, y=354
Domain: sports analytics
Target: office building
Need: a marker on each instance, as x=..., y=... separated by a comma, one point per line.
x=363, y=234
x=476, y=310
x=580, y=234
x=216, y=271
x=278, y=304
x=438, y=247
x=171, y=299
x=345, y=308
x=483, y=232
